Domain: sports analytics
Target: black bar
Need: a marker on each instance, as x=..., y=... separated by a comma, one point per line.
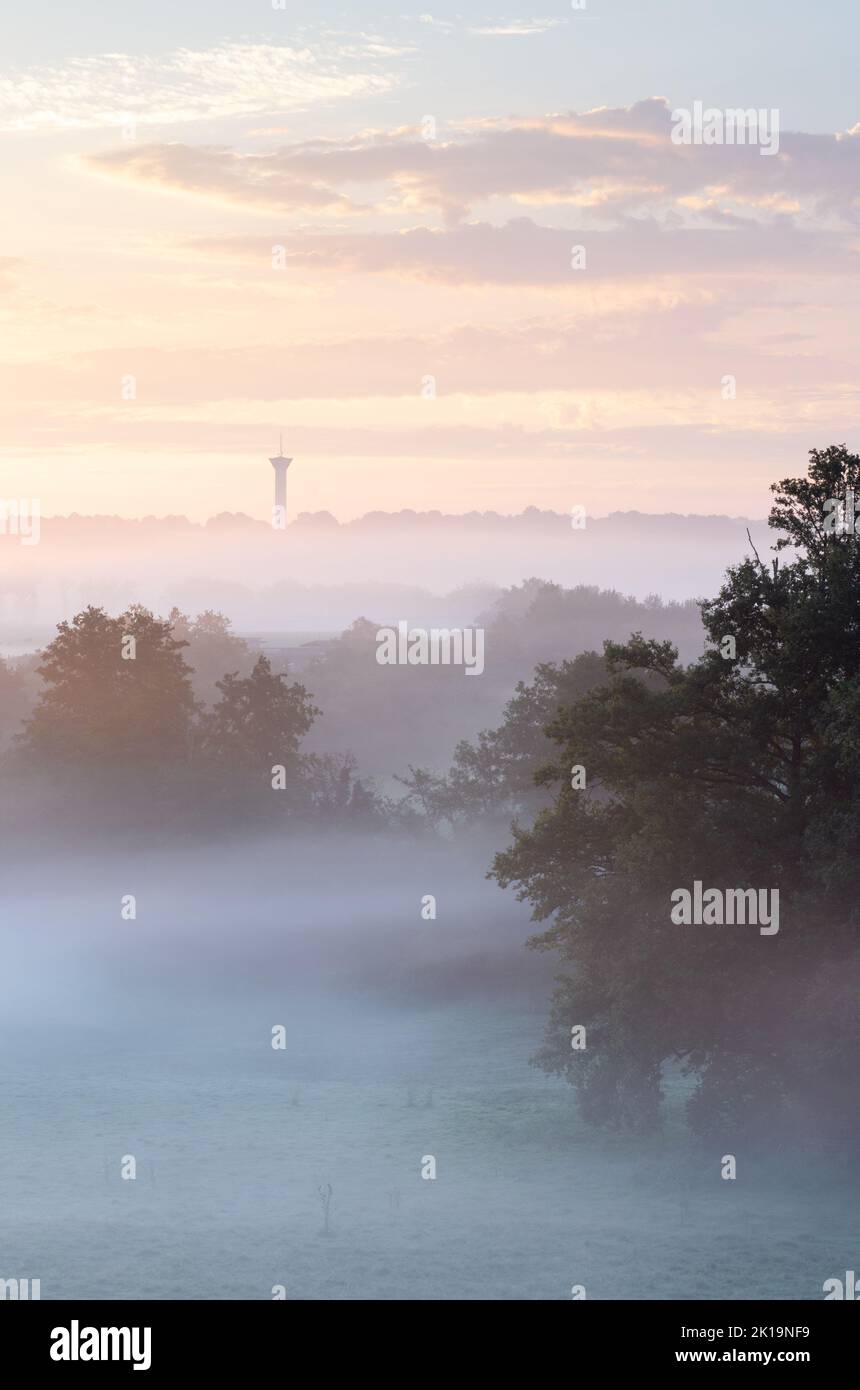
x=227, y=1337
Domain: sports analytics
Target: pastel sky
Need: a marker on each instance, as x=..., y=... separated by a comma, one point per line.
x=294, y=216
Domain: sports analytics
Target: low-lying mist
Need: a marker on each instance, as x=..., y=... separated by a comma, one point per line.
x=223, y=926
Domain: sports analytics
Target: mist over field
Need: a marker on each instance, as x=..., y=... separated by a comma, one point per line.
x=271, y=1020
x=403, y=1038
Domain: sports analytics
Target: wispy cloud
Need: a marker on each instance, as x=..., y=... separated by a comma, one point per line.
x=231, y=79
x=433, y=23
x=262, y=181
x=624, y=351
x=513, y=28
x=517, y=28
x=9, y=267
x=522, y=252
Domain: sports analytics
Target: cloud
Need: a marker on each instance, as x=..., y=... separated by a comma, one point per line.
x=672, y=349
x=522, y=252
x=9, y=268
x=208, y=171
x=434, y=23
x=518, y=27
x=731, y=455
x=609, y=180
x=230, y=79
x=513, y=28
x=611, y=163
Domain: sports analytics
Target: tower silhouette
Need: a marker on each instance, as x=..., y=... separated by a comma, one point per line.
x=280, y=465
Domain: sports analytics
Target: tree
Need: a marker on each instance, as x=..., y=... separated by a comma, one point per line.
x=212, y=649
x=738, y=771
x=338, y=797
x=13, y=701
x=494, y=777
x=117, y=693
x=258, y=722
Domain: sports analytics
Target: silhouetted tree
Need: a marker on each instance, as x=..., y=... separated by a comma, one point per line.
x=493, y=777
x=739, y=771
x=338, y=797
x=13, y=702
x=116, y=693
x=259, y=720
x=212, y=649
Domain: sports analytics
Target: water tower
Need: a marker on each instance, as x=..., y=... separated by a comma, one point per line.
x=280, y=465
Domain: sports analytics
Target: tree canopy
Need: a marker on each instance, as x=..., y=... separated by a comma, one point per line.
x=738, y=771
x=116, y=691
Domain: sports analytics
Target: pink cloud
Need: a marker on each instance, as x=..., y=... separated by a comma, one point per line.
x=622, y=159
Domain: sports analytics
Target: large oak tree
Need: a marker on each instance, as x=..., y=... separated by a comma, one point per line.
x=742, y=771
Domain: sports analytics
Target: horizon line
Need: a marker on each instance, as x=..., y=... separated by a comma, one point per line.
x=328, y=517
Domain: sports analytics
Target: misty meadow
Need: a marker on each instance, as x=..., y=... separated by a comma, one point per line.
x=350, y=979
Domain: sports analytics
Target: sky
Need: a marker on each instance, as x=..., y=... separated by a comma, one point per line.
x=357, y=224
